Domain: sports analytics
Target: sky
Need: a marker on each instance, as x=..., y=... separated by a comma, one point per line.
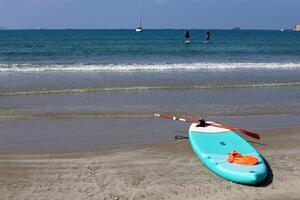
x=123, y=14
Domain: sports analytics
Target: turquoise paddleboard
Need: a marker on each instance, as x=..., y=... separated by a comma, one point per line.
x=212, y=145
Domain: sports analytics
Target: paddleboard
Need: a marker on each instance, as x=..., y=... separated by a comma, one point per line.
x=207, y=42
x=187, y=41
x=212, y=145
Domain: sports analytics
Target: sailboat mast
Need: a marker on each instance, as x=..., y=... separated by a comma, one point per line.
x=139, y=28
x=140, y=24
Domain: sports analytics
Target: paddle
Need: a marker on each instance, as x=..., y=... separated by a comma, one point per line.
x=253, y=135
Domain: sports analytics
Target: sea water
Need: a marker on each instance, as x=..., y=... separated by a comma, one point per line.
x=121, y=73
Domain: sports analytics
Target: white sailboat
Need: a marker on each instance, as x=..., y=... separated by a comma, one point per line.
x=139, y=28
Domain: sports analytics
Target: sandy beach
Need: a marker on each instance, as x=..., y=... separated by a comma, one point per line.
x=167, y=170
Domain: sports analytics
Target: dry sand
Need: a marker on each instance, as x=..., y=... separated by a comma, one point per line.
x=161, y=171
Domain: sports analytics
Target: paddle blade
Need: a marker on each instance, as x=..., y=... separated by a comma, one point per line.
x=254, y=135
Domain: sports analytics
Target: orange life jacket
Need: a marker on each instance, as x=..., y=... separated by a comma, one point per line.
x=236, y=158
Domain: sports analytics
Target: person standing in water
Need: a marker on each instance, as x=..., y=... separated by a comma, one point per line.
x=208, y=36
x=187, y=36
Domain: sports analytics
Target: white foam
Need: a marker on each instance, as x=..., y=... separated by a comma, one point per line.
x=145, y=67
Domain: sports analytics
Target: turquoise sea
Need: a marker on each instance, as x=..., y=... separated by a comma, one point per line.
x=111, y=73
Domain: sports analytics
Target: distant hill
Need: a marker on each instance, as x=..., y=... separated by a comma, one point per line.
x=236, y=28
x=2, y=27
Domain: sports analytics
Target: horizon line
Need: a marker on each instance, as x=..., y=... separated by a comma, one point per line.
x=241, y=29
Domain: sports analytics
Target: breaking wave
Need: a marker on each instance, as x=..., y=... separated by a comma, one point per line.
x=144, y=67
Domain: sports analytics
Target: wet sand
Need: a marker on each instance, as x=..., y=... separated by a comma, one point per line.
x=167, y=170
x=65, y=134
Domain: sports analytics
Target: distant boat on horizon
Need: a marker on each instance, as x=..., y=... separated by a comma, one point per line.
x=139, y=28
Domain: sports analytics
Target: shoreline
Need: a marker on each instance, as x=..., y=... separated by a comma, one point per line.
x=167, y=170
x=61, y=134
